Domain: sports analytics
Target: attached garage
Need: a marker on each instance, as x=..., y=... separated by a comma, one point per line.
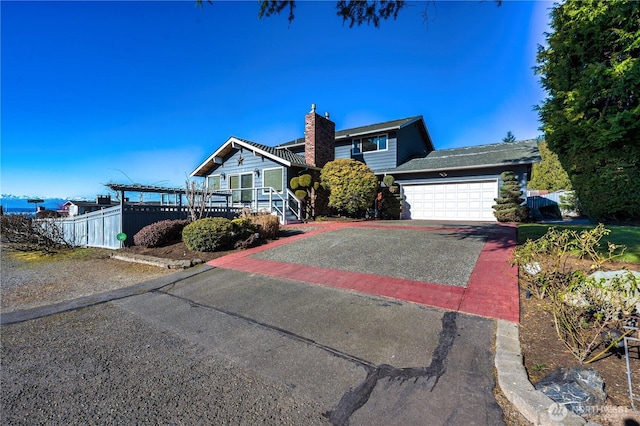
x=461, y=184
x=470, y=201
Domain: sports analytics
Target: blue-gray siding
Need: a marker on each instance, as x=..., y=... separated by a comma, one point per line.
x=412, y=145
x=380, y=160
x=250, y=163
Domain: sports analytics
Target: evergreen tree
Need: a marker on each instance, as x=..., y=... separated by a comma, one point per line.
x=509, y=206
x=548, y=174
x=591, y=116
x=509, y=138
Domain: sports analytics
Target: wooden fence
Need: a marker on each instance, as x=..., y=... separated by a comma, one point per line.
x=548, y=205
x=100, y=228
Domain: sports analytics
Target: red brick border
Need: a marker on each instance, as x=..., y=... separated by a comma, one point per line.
x=492, y=290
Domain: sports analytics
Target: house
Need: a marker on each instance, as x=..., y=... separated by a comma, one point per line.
x=452, y=184
x=76, y=208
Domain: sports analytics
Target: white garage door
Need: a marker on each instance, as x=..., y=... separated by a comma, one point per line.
x=452, y=201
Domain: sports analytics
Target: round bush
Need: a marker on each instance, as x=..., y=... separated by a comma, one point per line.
x=294, y=183
x=243, y=227
x=304, y=180
x=301, y=194
x=209, y=234
x=160, y=233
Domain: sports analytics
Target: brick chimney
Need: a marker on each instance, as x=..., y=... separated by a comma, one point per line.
x=319, y=138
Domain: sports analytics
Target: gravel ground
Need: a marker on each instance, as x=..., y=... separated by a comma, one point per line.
x=439, y=257
x=106, y=371
x=29, y=282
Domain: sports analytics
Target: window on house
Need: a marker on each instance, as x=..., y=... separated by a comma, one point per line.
x=213, y=183
x=234, y=184
x=355, y=148
x=368, y=144
x=240, y=186
x=272, y=178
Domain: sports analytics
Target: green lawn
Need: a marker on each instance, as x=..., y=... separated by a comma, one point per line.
x=628, y=236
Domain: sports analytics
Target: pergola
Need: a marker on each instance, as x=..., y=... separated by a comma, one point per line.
x=152, y=189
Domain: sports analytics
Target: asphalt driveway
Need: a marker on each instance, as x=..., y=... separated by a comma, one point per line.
x=224, y=346
x=442, y=257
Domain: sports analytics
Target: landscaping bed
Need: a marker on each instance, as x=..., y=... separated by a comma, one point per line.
x=543, y=350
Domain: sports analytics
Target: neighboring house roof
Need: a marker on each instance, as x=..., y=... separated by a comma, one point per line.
x=364, y=130
x=90, y=204
x=472, y=157
x=276, y=154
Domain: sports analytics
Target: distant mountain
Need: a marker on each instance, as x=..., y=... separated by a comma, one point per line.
x=19, y=203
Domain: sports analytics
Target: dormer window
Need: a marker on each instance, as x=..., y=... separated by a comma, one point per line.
x=368, y=144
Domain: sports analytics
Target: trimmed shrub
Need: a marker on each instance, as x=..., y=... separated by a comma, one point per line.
x=267, y=224
x=301, y=194
x=294, y=183
x=160, y=233
x=389, y=205
x=388, y=180
x=208, y=234
x=243, y=227
x=305, y=180
x=509, y=206
x=352, y=185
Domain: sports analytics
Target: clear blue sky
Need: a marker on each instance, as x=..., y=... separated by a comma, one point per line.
x=142, y=92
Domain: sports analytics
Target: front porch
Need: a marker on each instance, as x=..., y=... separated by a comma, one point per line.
x=285, y=205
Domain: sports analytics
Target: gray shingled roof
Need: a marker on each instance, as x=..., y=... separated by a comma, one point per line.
x=378, y=127
x=521, y=152
x=294, y=159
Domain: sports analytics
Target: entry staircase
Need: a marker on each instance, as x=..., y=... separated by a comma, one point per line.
x=285, y=206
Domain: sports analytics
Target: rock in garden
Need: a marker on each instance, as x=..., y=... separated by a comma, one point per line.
x=626, y=280
x=576, y=388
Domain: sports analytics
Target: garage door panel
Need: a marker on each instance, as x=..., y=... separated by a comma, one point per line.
x=452, y=201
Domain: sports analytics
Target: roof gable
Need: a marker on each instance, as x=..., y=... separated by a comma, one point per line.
x=500, y=154
x=279, y=155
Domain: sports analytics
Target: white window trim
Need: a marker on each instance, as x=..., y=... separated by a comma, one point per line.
x=253, y=182
x=359, y=139
x=265, y=191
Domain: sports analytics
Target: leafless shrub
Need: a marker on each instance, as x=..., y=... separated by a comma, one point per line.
x=27, y=234
x=198, y=196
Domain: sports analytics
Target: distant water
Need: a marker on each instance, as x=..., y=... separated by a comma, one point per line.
x=14, y=205
x=17, y=210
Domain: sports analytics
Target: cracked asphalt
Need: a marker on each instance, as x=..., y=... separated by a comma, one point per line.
x=227, y=347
